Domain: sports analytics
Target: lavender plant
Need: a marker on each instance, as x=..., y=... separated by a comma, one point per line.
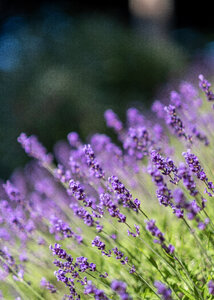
x=132, y=220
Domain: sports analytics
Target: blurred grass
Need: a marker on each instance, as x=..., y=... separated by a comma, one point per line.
x=59, y=74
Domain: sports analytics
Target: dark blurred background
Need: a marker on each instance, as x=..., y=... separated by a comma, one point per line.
x=62, y=63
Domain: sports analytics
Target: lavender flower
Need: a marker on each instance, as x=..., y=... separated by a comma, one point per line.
x=12, y=192
x=73, y=139
x=162, y=290
x=120, y=288
x=155, y=231
x=46, y=284
x=91, y=289
x=175, y=99
x=165, y=165
x=98, y=243
x=62, y=230
x=175, y=122
x=134, y=117
x=33, y=148
x=185, y=174
x=194, y=165
x=122, y=192
x=83, y=214
x=112, y=120
x=92, y=163
x=211, y=287
x=137, y=142
x=76, y=190
x=205, y=85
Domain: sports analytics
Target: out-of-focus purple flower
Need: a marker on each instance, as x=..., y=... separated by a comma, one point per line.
x=185, y=174
x=8, y=265
x=200, y=135
x=162, y=290
x=113, y=236
x=203, y=225
x=34, y=148
x=12, y=192
x=46, y=284
x=137, y=227
x=137, y=142
x=188, y=91
x=164, y=195
x=211, y=287
x=61, y=174
x=158, y=133
x=155, y=231
x=4, y=234
x=134, y=117
x=120, y=288
x=62, y=230
x=83, y=214
x=92, y=289
x=132, y=270
x=175, y=99
x=113, y=121
x=73, y=139
x=158, y=108
x=105, y=275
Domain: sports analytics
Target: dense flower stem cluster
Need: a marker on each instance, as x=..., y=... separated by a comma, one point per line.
x=94, y=199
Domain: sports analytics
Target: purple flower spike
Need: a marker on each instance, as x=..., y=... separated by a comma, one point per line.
x=122, y=192
x=12, y=192
x=98, y=243
x=46, y=284
x=194, y=165
x=211, y=287
x=91, y=289
x=166, y=166
x=155, y=231
x=162, y=290
x=137, y=142
x=175, y=99
x=73, y=139
x=112, y=120
x=92, y=163
x=34, y=148
x=76, y=190
x=205, y=86
x=120, y=288
x=175, y=122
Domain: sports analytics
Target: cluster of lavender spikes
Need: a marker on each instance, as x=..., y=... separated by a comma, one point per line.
x=96, y=202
